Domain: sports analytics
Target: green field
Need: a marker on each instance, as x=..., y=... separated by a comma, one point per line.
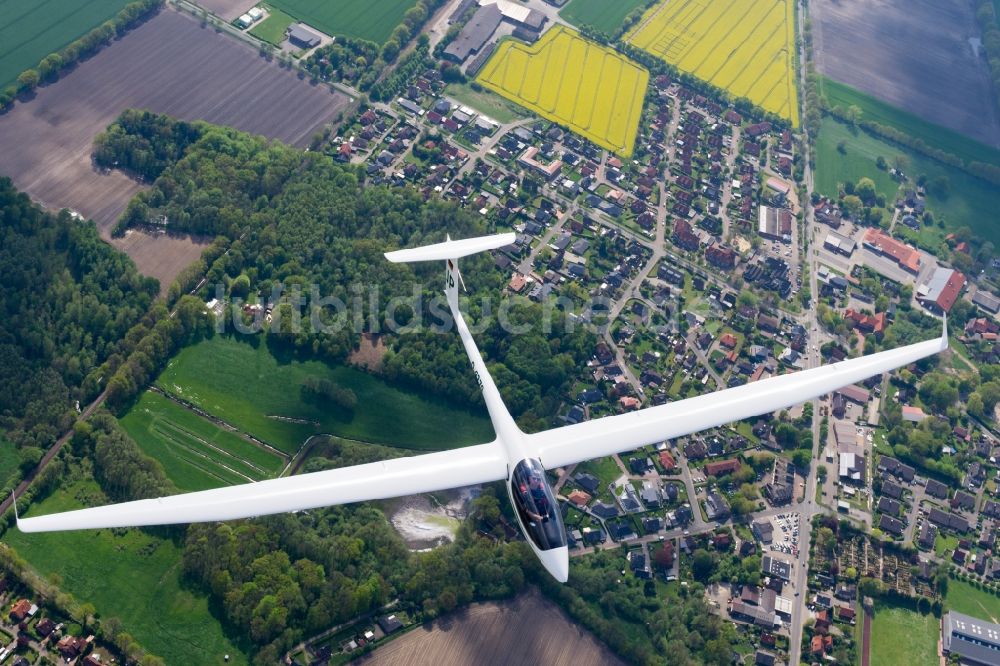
x=492, y=105
x=364, y=19
x=31, y=30
x=135, y=577
x=965, y=598
x=245, y=385
x=970, y=150
x=272, y=29
x=604, y=15
x=195, y=453
x=971, y=202
x=903, y=637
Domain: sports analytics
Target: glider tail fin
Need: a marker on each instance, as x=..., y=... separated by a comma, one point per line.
x=450, y=251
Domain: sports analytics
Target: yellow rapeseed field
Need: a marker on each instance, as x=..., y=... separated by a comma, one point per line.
x=744, y=46
x=566, y=78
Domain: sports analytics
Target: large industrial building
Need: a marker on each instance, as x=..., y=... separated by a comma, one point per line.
x=975, y=641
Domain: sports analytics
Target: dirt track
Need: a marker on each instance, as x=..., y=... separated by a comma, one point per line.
x=526, y=630
x=914, y=54
x=169, y=65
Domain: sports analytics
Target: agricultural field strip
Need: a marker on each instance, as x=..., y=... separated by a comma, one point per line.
x=750, y=54
x=170, y=431
x=32, y=30
x=540, y=77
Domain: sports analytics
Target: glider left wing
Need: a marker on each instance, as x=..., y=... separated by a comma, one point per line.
x=378, y=480
x=615, y=434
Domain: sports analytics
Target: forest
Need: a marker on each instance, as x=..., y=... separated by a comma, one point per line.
x=309, y=229
x=68, y=304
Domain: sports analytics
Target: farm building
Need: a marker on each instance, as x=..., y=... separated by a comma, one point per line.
x=839, y=244
x=475, y=33
x=881, y=243
x=942, y=290
x=775, y=223
x=302, y=37
x=518, y=14
x=986, y=301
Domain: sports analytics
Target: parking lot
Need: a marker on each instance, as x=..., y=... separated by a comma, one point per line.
x=786, y=534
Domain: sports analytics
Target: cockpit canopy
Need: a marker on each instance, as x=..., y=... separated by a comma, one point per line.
x=536, y=505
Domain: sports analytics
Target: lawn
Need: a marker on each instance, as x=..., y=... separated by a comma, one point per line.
x=133, y=576
x=273, y=28
x=605, y=469
x=363, y=19
x=902, y=637
x=492, y=105
x=746, y=47
x=195, y=453
x=31, y=30
x=970, y=202
x=566, y=78
x=604, y=15
x=965, y=598
x=244, y=384
x=970, y=150
x=944, y=543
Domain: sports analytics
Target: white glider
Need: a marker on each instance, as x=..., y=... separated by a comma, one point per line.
x=518, y=458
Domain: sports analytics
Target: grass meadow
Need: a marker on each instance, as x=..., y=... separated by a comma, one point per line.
x=965, y=598
x=129, y=574
x=604, y=15
x=744, y=46
x=195, y=453
x=243, y=383
x=902, y=637
x=489, y=103
x=363, y=19
x=970, y=201
x=272, y=29
x=575, y=82
x=32, y=29
x=970, y=150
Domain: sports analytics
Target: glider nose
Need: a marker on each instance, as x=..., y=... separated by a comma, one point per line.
x=556, y=562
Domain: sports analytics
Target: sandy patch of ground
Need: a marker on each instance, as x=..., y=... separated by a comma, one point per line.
x=425, y=523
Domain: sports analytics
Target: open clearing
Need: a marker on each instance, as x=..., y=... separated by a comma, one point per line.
x=528, y=629
x=242, y=383
x=131, y=575
x=604, y=15
x=172, y=65
x=195, y=453
x=575, y=82
x=902, y=637
x=364, y=19
x=971, y=202
x=965, y=598
x=913, y=54
x=30, y=30
x=744, y=46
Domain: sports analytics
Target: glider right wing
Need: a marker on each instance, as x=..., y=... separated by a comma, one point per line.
x=616, y=434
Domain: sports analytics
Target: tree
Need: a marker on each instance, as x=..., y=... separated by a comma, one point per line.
x=853, y=205
x=27, y=81
x=865, y=189
x=853, y=114
x=702, y=565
